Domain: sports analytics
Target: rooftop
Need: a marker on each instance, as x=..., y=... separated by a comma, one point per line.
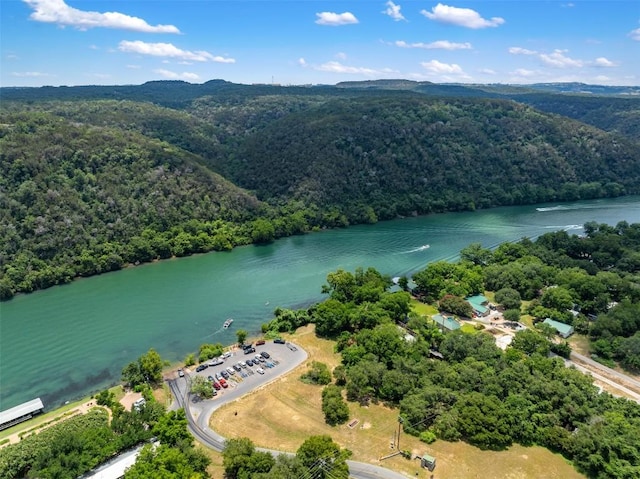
x=21, y=410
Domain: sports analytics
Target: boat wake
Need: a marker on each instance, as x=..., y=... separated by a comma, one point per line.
x=566, y=207
x=564, y=228
x=419, y=248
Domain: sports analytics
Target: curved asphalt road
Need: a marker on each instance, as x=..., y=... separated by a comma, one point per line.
x=199, y=426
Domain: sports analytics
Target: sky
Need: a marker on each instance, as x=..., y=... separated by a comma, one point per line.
x=300, y=42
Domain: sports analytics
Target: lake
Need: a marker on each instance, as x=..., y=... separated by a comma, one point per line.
x=72, y=340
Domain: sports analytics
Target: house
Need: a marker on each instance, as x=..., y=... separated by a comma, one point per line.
x=480, y=305
x=446, y=322
x=564, y=330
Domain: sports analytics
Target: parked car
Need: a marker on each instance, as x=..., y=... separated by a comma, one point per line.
x=226, y=355
x=237, y=367
x=180, y=373
x=225, y=374
x=250, y=350
x=260, y=371
x=202, y=367
x=247, y=346
x=216, y=385
x=279, y=341
x=210, y=378
x=265, y=355
x=249, y=362
x=291, y=347
x=260, y=342
x=230, y=371
x=242, y=364
x=224, y=383
x=216, y=362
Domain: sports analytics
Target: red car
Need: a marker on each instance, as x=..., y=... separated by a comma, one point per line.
x=223, y=383
x=216, y=385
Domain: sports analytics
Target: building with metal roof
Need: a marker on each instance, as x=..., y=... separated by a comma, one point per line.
x=20, y=413
x=564, y=330
x=447, y=322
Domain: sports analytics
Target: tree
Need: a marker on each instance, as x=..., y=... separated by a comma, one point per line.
x=509, y=298
x=241, y=334
x=201, y=387
x=334, y=408
x=456, y=305
x=476, y=254
x=171, y=429
x=263, y=231
x=166, y=462
x=323, y=458
x=530, y=342
x=318, y=374
x=147, y=369
x=241, y=460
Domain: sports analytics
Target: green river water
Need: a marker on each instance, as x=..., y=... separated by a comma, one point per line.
x=72, y=340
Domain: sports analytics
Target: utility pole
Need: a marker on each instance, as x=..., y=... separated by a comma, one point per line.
x=399, y=426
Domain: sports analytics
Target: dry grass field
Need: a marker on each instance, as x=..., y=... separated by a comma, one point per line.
x=284, y=413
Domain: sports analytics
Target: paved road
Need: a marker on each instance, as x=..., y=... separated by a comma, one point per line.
x=199, y=426
x=631, y=382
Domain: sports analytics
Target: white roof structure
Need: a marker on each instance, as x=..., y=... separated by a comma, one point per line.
x=24, y=409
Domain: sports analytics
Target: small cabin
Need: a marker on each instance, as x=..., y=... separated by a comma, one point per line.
x=428, y=462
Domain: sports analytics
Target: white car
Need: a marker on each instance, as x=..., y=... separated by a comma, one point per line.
x=260, y=371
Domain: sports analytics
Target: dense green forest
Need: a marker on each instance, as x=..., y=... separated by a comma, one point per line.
x=93, y=179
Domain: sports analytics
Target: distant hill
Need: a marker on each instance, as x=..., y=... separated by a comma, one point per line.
x=93, y=178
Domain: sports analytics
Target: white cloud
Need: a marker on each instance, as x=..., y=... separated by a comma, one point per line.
x=134, y=67
x=12, y=56
x=176, y=76
x=603, y=62
x=393, y=11
x=439, y=68
x=635, y=34
x=58, y=12
x=487, y=71
x=170, y=51
x=302, y=62
x=341, y=56
x=603, y=78
x=30, y=74
x=337, y=67
x=559, y=60
x=463, y=17
x=440, y=44
x=556, y=59
x=336, y=19
x=524, y=73
x=521, y=51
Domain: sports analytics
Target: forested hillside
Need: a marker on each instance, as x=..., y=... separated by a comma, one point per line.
x=95, y=178
x=417, y=154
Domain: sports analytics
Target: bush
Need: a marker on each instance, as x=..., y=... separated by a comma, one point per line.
x=427, y=437
x=190, y=360
x=318, y=374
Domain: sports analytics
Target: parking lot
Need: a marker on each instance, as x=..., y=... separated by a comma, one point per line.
x=239, y=372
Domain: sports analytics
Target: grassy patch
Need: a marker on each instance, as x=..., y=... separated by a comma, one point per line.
x=580, y=344
x=284, y=413
x=469, y=329
x=423, y=309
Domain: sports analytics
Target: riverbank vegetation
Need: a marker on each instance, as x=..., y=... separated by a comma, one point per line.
x=92, y=184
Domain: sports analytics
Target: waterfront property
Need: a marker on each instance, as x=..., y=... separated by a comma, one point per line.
x=20, y=413
x=564, y=330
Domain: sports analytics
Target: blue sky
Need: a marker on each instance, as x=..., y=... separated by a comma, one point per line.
x=85, y=42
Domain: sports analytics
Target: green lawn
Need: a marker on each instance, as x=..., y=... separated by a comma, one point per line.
x=423, y=309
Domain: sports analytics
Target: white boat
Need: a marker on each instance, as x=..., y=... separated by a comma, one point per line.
x=227, y=323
